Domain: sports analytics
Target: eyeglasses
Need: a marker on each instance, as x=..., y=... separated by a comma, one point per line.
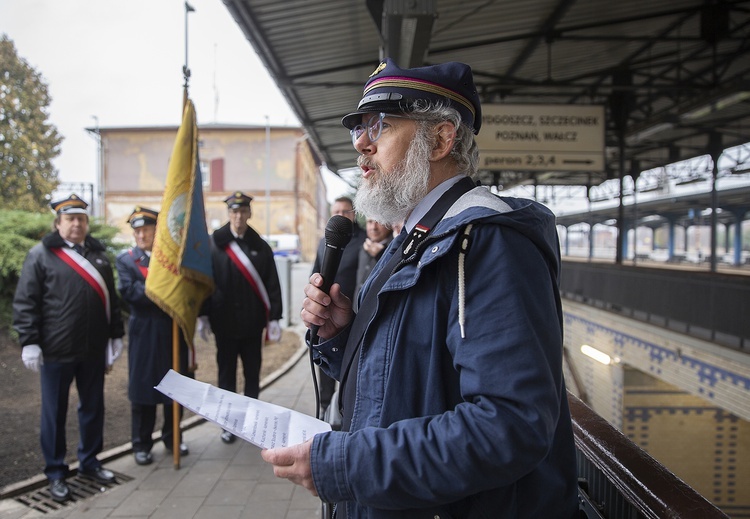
x=374, y=128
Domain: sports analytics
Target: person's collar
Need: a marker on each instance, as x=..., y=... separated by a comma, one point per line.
x=147, y=253
x=237, y=235
x=429, y=200
x=70, y=243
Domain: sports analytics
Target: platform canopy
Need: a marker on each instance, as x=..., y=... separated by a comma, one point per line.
x=672, y=76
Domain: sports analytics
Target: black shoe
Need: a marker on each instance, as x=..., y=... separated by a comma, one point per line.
x=143, y=457
x=59, y=490
x=227, y=437
x=99, y=474
x=184, y=451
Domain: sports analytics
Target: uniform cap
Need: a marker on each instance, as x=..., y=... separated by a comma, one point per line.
x=142, y=216
x=238, y=199
x=71, y=205
x=391, y=89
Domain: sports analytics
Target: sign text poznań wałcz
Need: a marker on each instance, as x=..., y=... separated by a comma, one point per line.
x=542, y=137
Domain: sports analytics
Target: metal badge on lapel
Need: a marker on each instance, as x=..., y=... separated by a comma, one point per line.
x=416, y=236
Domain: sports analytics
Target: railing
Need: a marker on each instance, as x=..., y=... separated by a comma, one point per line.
x=619, y=480
x=707, y=305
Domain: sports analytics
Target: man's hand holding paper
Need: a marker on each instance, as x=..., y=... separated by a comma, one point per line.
x=260, y=423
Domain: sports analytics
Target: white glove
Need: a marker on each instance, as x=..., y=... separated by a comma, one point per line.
x=114, y=350
x=31, y=356
x=204, y=327
x=274, y=331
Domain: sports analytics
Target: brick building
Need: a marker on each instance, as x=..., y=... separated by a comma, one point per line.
x=252, y=159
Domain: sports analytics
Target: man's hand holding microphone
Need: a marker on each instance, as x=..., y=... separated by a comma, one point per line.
x=325, y=310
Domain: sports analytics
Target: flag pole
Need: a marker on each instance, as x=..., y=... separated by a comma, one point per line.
x=176, y=432
x=180, y=274
x=185, y=69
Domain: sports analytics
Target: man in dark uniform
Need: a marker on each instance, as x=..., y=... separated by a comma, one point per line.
x=246, y=301
x=346, y=276
x=67, y=316
x=149, y=341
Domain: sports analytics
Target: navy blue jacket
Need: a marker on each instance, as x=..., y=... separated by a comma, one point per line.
x=460, y=409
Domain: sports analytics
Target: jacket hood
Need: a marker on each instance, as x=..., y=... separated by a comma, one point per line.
x=532, y=219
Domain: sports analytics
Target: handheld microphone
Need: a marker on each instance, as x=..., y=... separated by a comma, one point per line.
x=337, y=235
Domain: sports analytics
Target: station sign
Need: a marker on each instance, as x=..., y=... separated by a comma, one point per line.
x=542, y=137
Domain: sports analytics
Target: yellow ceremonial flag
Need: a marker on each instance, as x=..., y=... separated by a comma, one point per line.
x=180, y=275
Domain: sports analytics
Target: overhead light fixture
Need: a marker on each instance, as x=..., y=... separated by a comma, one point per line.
x=715, y=105
x=652, y=218
x=595, y=354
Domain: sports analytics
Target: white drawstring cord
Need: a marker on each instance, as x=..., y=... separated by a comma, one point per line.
x=461, y=280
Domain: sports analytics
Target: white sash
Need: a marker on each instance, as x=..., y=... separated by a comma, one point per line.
x=248, y=269
x=89, y=273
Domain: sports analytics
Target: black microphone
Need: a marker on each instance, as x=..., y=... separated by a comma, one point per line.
x=338, y=234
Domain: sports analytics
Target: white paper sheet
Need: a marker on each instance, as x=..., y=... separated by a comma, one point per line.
x=260, y=423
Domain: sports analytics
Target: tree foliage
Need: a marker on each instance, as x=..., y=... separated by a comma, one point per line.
x=28, y=142
x=19, y=232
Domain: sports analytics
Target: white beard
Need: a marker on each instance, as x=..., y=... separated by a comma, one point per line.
x=390, y=196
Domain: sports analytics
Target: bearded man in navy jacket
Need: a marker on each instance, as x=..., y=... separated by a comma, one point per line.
x=454, y=403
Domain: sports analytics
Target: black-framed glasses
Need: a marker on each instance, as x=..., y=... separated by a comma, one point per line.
x=374, y=128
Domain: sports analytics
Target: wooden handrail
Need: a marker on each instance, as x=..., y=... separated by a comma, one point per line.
x=643, y=482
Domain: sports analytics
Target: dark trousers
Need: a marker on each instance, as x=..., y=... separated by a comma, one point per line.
x=247, y=349
x=143, y=422
x=56, y=378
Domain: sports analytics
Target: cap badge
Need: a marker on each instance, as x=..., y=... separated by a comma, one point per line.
x=377, y=70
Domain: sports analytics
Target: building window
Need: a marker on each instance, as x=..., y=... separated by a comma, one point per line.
x=217, y=175
x=206, y=174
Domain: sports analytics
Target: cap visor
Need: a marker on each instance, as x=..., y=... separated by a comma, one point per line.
x=353, y=119
x=388, y=107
